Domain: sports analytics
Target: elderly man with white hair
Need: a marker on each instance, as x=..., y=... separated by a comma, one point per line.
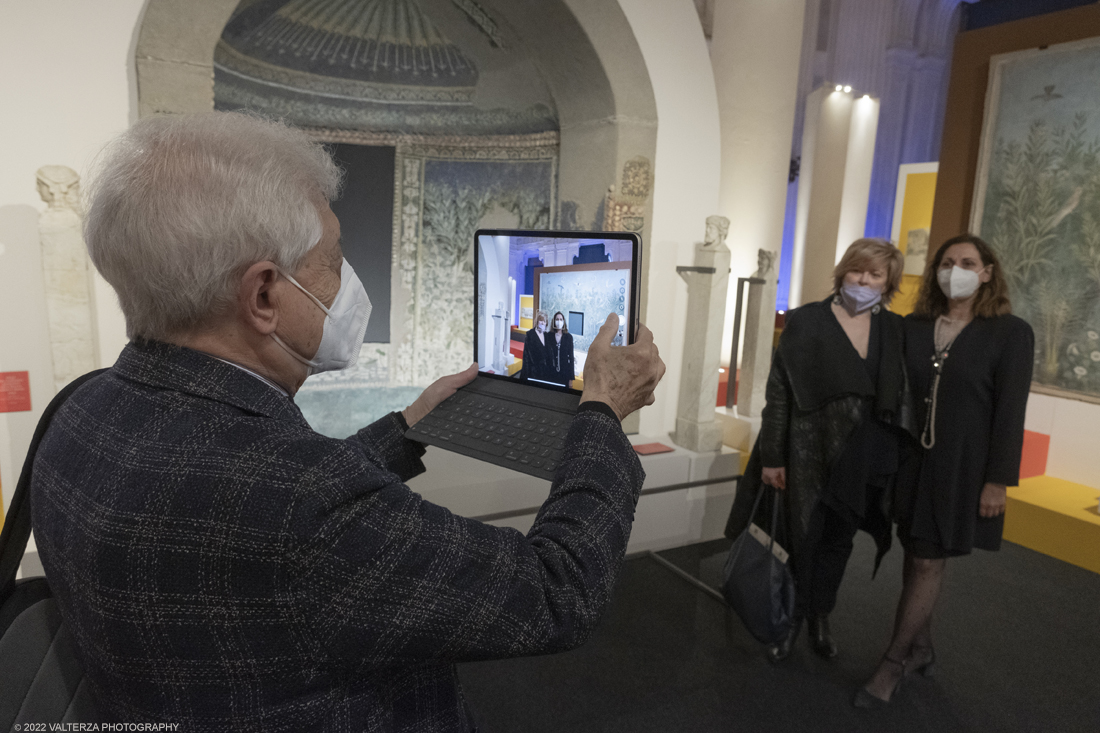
x=224, y=567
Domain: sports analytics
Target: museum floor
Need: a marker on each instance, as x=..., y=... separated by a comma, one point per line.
x=1017, y=635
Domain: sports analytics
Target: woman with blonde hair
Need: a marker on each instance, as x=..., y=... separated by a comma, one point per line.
x=536, y=350
x=829, y=433
x=970, y=360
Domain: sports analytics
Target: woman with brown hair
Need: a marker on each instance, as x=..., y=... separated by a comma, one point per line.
x=970, y=360
x=560, y=352
x=829, y=432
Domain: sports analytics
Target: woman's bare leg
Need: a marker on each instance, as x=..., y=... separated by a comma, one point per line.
x=921, y=582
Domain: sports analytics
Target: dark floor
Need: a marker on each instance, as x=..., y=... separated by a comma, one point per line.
x=1017, y=635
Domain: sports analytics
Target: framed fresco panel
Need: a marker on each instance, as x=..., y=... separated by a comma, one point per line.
x=1037, y=203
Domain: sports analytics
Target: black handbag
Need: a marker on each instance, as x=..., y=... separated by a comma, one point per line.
x=757, y=581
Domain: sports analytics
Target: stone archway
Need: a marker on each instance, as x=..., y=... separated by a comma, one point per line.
x=590, y=62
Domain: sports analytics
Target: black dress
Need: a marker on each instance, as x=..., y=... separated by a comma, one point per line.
x=979, y=430
x=560, y=368
x=536, y=356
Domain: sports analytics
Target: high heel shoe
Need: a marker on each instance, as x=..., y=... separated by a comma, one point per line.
x=865, y=700
x=928, y=667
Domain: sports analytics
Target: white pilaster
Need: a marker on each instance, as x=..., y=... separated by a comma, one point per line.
x=756, y=114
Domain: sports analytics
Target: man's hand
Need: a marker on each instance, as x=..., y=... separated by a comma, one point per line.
x=623, y=377
x=439, y=390
x=994, y=497
x=776, y=477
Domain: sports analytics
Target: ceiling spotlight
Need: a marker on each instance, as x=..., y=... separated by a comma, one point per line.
x=866, y=96
x=847, y=88
x=839, y=87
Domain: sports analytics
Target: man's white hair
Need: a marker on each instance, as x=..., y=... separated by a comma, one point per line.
x=179, y=207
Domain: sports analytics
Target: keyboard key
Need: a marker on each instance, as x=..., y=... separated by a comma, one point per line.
x=479, y=445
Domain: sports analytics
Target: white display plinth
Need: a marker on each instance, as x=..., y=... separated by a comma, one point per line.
x=669, y=513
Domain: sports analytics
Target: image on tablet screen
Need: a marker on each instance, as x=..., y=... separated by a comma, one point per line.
x=541, y=301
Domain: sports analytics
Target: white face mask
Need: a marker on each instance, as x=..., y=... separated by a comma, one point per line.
x=958, y=283
x=559, y=323
x=345, y=325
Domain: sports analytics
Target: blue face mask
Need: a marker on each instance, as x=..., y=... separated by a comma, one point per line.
x=858, y=298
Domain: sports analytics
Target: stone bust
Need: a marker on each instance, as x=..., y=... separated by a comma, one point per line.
x=765, y=263
x=59, y=187
x=717, y=228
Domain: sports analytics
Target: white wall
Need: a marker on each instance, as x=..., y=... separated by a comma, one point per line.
x=686, y=175
x=65, y=89
x=757, y=110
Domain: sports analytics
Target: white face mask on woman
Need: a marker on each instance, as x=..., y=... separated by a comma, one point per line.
x=958, y=283
x=559, y=323
x=345, y=325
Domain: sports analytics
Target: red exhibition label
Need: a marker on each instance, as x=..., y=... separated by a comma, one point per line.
x=15, y=391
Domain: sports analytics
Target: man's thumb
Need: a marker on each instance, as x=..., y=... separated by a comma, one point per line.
x=608, y=330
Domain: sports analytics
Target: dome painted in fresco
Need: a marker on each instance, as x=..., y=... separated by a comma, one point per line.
x=361, y=64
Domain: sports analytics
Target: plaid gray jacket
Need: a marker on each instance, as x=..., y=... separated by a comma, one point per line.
x=224, y=567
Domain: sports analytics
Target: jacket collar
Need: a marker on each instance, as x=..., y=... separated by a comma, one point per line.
x=178, y=368
x=821, y=364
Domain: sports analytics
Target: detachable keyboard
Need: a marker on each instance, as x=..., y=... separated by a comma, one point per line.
x=499, y=422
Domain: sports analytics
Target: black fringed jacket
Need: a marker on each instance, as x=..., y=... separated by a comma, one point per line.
x=816, y=392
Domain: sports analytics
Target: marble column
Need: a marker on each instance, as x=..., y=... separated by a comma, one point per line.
x=838, y=143
x=928, y=93
x=67, y=275
x=891, y=136
x=707, y=280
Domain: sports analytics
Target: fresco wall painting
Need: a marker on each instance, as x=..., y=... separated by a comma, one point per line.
x=1037, y=202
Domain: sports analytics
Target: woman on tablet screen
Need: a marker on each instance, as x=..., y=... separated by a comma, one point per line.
x=536, y=350
x=561, y=352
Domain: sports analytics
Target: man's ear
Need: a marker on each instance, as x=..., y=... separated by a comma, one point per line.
x=257, y=302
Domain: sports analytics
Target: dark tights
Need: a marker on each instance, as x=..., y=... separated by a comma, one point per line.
x=912, y=641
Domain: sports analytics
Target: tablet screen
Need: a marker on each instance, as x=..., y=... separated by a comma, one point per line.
x=542, y=297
